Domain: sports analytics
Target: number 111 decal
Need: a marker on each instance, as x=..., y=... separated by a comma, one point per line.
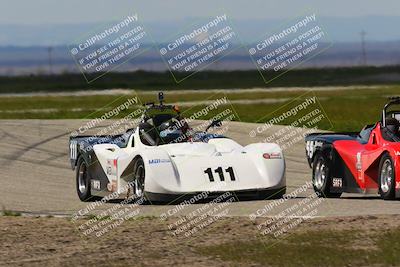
x=220, y=172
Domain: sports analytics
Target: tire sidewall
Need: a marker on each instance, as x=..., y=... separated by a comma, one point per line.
x=324, y=190
x=86, y=195
x=140, y=162
x=390, y=194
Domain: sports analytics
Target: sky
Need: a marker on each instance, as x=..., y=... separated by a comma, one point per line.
x=78, y=11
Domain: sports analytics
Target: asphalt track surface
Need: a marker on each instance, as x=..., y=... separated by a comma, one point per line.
x=36, y=177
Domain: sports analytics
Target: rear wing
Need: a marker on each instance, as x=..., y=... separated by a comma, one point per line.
x=82, y=145
x=323, y=142
x=73, y=152
x=313, y=135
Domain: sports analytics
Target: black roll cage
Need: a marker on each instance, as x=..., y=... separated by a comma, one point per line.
x=392, y=101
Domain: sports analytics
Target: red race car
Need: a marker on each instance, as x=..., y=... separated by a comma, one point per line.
x=364, y=162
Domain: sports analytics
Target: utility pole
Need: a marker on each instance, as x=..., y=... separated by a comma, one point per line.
x=50, y=50
x=363, y=51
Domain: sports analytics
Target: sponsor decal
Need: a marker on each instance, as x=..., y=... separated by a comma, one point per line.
x=157, y=161
x=112, y=187
x=359, y=162
x=360, y=173
x=337, y=182
x=111, y=167
x=96, y=184
x=274, y=155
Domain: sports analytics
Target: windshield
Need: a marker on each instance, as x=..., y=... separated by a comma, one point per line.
x=365, y=133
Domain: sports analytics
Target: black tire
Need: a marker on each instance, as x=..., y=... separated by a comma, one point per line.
x=82, y=181
x=139, y=175
x=322, y=177
x=386, y=178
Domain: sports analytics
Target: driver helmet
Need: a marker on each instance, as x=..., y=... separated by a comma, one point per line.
x=170, y=131
x=393, y=125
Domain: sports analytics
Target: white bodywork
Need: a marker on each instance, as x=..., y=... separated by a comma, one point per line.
x=181, y=168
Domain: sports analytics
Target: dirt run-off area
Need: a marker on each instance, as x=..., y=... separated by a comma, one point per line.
x=227, y=241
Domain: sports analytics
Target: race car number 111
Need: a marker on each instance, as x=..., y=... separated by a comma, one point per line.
x=220, y=172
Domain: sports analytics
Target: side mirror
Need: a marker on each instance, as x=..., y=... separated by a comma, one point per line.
x=214, y=123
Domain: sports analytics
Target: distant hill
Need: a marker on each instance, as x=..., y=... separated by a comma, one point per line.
x=378, y=28
x=35, y=59
x=24, y=48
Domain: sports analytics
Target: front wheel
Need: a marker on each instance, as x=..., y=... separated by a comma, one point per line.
x=137, y=185
x=322, y=177
x=82, y=181
x=386, y=178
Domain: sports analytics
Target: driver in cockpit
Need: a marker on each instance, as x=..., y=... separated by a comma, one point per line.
x=171, y=132
x=393, y=125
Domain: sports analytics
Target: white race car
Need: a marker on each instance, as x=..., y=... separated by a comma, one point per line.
x=163, y=159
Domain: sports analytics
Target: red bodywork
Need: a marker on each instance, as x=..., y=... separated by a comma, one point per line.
x=363, y=159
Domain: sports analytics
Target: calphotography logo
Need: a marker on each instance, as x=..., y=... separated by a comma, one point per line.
x=184, y=222
x=200, y=133
x=205, y=43
x=286, y=48
x=102, y=51
x=279, y=218
x=301, y=116
x=113, y=125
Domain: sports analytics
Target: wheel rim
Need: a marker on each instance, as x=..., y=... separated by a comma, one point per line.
x=386, y=175
x=139, y=181
x=82, y=178
x=320, y=174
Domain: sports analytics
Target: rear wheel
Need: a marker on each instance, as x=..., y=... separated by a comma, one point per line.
x=82, y=181
x=322, y=178
x=386, y=178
